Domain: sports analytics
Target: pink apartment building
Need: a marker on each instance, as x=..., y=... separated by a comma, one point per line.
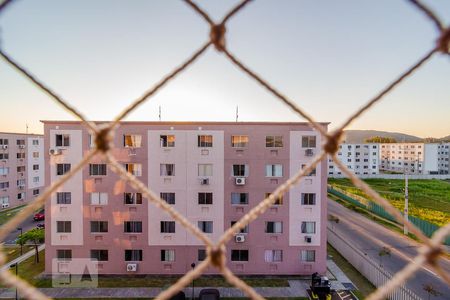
x=21, y=168
x=211, y=172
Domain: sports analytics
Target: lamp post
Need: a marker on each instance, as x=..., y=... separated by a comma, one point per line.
x=193, y=266
x=16, y=265
x=21, y=246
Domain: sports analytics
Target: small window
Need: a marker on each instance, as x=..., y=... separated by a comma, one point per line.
x=134, y=169
x=205, y=198
x=3, y=142
x=167, y=255
x=36, y=179
x=99, y=198
x=274, y=141
x=4, y=185
x=313, y=172
x=308, y=255
x=132, y=226
x=239, y=198
x=65, y=254
x=100, y=255
x=273, y=255
x=308, y=227
x=35, y=142
x=308, y=199
x=167, y=170
x=274, y=170
x=205, y=226
x=168, y=197
x=201, y=254
x=63, y=226
x=132, y=198
x=99, y=226
x=239, y=141
x=21, y=196
x=97, y=169
x=278, y=201
x=239, y=255
x=63, y=198
x=4, y=170
x=309, y=141
x=132, y=141
x=167, y=141
x=21, y=182
x=35, y=192
x=21, y=169
x=62, y=140
x=240, y=170
x=6, y=155
x=133, y=255
x=20, y=142
x=35, y=155
x=274, y=227
x=35, y=167
x=167, y=227
x=243, y=230
x=205, y=141
x=205, y=169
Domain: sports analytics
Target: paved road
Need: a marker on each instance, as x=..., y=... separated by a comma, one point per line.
x=369, y=237
x=28, y=224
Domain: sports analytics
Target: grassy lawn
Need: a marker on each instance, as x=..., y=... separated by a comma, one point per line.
x=428, y=199
x=363, y=285
x=13, y=251
x=5, y=215
x=293, y=298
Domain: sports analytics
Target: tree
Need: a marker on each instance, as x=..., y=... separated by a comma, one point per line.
x=429, y=288
x=384, y=251
x=380, y=139
x=36, y=236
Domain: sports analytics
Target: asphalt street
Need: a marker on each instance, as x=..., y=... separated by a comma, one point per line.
x=370, y=237
x=28, y=224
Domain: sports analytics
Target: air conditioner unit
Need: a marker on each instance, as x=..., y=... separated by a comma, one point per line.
x=54, y=151
x=5, y=205
x=309, y=152
x=131, y=267
x=21, y=187
x=240, y=180
x=204, y=181
x=21, y=146
x=5, y=147
x=239, y=238
x=308, y=239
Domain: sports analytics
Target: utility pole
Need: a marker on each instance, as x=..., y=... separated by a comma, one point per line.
x=405, y=212
x=237, y=113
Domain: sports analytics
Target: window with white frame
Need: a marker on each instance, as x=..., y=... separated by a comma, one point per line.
x=133, y=255
x=97, y=169
x=274, y=141
x=99, y=226
x=35, y=155
x=239, y=198
x=239, y=141
x=20, y=142
x=62, y=140
x=309, y=141
x=167, y=255
x=273, y=255
x=205, y=198
x=63, y=198
x=62, y=169
x=21, y=196
x=99, y=255
x=167, y=226
x=4, y=200
x=20, y=169
x=4, y=170
x=205, y=226
x=201, y=254
x=308, y=255
x=36, y=179
x=240, y=170
x=274, y=170
x=98, y=198
x=63, y=226
x=35, y=167
x=4, y=185
x=132, y=140
x=205, y=169
x=205, y=141
x=239, y=255
x=134, y=169
x=132, y=226
x=4, y=142
x=167, y=141
x=308, y=199
x=35, y=142
x=132, y=198
x=308, y=227
x=5, y=156
x=274, y=227
x=243, y=230
x=168, y=197
x=21, y=182
x=167, y=169
x=64, y=254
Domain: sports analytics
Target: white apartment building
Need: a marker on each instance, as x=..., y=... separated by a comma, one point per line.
x=414, y=158
x=443, y=158
x=361, y=159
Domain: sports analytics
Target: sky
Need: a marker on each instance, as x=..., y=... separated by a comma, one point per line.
x=329, y=57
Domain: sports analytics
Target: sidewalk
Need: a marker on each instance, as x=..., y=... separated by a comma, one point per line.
x=22, y=258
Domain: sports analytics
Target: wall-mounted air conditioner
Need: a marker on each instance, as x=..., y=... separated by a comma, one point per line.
x=54, y=151
x=240, y=180
x=131, y=267
x=204, y=181
x=239, y=238
x=309, y=152
x=21, y=146
x=5, y=205
x=308, y=239
x=4, y=147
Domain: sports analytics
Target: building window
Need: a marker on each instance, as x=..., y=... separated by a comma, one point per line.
x=99, y=226
x=167, y=141
x=132, y=226
x=205, y=169
x=274, y=141
x=64, y=254
x=274, y=227
x=239, y=141
x=273, y=255
x=97, y=169
x=278, y=201
x=3, y=142
x=35, y=167
x=21, y=196
x=313, y=172
x=240, y=170
x=134, y=169
x=5, y=155
x=35, y=192
x=35, y=155
x=36, y=179
x=239, y=198
x=167, y=226
x=4, y=201
x=132, y=141
x=99, y=198
x=309, y=141
x=308, y=227
x=308, y=255
x=63, y=198
x=4, y=171
x=243, y=230
x=4, y=185
x=62, y=169
x=201, y=254
x=167, y=255
x=63, y=226
x=168, y=197
x=205, y=198
x=205, y=141
x=274, y=170
x=62, y=140
x=21, y=183
x=100, y=255
x=132, y=198
x=167, y=169
x=133, y=255
x=21, y=169
x=239, y=255
x=308, y=199
x=20, y=142
x=205, y=226
x=35, y=142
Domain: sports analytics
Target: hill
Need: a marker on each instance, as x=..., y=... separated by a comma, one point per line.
x=358, y=136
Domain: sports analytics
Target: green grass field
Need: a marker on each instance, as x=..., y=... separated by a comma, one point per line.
x=428, y=199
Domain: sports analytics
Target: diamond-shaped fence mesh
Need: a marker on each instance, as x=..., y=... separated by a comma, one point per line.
x=430, y=251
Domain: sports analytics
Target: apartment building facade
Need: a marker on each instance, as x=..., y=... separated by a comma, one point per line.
x=211, y=172
x=444, y=158
x=361, y=159
x=413, y=158
x=22, y=168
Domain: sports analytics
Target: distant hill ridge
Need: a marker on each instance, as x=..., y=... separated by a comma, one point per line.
x=358, y=136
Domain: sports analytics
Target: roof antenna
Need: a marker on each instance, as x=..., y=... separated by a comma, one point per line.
x=159, y=113
x=237, y=113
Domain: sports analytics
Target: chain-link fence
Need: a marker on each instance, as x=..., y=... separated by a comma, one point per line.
x=430, y=251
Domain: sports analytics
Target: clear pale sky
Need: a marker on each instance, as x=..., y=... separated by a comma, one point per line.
x=330, y=57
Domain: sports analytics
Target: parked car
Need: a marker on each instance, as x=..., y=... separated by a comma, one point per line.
x=209, y=294
x=40, y=225
x=40, y=216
